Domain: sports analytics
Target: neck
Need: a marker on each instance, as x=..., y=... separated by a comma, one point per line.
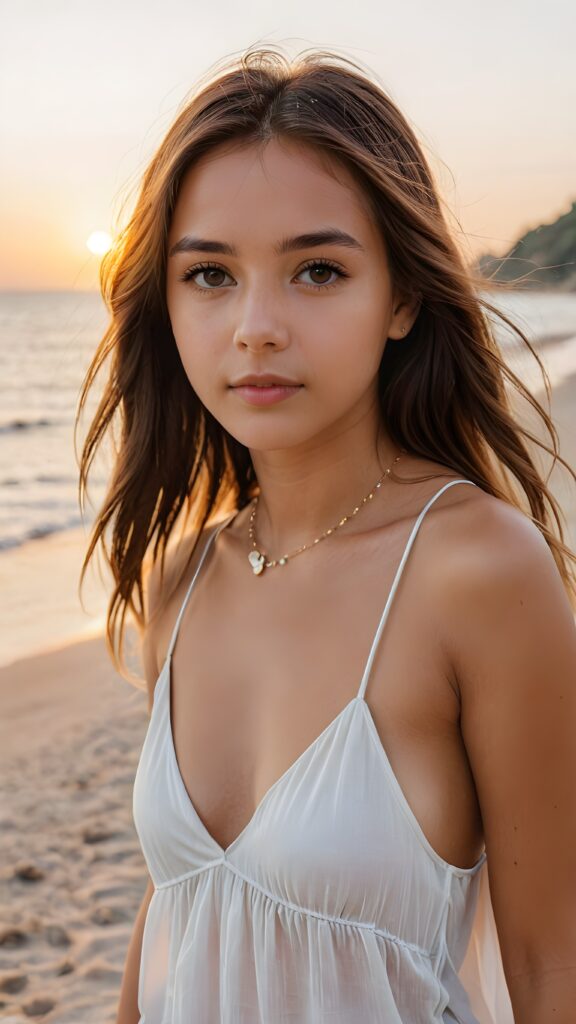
x=303, y=496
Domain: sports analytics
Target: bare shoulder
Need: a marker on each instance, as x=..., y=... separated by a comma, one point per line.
x=164, y=589
x=489, y=548
x=501, y=600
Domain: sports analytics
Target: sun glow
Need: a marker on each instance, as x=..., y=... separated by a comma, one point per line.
x=99, y=242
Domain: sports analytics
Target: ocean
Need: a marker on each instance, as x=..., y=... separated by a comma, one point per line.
x=47, y=341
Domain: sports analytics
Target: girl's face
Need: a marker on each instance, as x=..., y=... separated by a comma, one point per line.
x=274, y=301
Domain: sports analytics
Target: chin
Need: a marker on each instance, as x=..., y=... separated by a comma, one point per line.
x=266, y=438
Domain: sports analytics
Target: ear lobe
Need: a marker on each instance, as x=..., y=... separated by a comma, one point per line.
x=403, y=332
x=409, y=308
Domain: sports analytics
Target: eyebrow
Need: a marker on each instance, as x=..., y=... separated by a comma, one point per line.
x=310, y=240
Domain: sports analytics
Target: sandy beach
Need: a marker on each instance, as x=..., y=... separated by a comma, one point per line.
x=72, y=874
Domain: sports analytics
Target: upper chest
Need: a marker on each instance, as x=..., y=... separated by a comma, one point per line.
x=263, y=665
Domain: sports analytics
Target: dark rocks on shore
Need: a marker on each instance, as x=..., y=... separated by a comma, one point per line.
x=28, y=872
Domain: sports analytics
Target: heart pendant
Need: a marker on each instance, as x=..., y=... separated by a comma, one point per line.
x=257, y=562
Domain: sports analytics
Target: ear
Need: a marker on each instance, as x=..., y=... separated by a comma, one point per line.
x=406, y=309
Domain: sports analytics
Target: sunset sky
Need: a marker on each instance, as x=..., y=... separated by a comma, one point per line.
x=87, y=91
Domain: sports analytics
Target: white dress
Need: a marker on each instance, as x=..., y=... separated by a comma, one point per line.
x=330, y=907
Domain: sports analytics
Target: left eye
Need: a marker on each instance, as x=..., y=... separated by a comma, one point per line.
x=324, y=267
x=213, y=268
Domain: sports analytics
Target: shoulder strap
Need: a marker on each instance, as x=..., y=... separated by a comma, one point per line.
x=397, y=578
x=208, y=544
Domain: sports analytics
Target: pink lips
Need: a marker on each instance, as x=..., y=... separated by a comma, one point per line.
x=266, y=394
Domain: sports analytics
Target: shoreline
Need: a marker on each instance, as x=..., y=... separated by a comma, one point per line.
x=88, y=628
x=44, y=612
x=42, y=575
x=48, y=695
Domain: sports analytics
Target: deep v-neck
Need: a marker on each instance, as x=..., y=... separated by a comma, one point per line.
x=225, y=850
x=357, y=699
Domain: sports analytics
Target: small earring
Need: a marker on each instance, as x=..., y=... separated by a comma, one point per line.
x=403, y=329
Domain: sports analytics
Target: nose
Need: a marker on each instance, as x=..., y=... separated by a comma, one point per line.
x=259, y=327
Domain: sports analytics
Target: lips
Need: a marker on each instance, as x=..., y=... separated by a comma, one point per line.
x=264, y=380
x=265, y=394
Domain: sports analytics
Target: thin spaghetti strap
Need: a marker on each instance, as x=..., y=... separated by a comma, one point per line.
x=208, y=544
x=396, y=581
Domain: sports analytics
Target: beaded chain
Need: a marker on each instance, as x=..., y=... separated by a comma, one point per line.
x=257, y=558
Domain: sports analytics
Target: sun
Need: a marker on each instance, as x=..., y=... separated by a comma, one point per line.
x=99, y=242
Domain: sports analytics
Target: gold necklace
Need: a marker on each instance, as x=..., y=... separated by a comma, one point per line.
x=257, y=558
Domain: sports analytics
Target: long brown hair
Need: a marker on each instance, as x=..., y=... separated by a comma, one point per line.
x=443, y=391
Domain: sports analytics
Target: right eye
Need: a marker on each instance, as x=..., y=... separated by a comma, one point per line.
x=202, y=268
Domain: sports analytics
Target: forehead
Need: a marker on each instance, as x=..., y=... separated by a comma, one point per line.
x=265, y=189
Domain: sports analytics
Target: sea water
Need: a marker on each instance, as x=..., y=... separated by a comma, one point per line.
x=47, y=340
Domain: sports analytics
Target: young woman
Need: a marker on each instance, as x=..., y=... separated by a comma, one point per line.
x=360, y=650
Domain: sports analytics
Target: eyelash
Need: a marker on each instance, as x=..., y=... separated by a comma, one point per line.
x=192, y=271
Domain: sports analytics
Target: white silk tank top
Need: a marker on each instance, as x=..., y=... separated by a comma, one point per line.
x=330, y=907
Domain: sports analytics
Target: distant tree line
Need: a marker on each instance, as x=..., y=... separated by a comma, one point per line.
x=543, y=258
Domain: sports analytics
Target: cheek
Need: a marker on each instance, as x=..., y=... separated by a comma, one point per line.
x=196, y=348
x=198, y=362
x=344, y=362
x=351, y=340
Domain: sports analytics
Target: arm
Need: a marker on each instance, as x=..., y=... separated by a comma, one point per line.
x=128, y=1012
x=513, y=655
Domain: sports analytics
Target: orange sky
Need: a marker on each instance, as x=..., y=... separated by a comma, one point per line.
x=83, y=107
